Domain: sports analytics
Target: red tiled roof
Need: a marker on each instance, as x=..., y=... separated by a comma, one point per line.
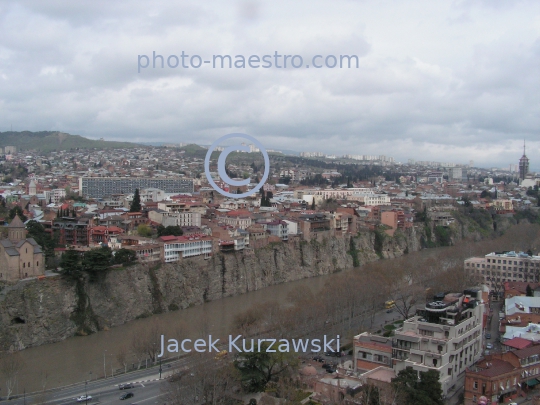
x=374, y=346
x=518, y=343
x=529, y=351
x=496, y=367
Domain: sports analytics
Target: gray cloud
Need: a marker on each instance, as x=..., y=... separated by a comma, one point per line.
x=449, y=80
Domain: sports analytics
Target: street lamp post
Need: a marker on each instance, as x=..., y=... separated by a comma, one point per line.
x=160, y=369
x=104, y=369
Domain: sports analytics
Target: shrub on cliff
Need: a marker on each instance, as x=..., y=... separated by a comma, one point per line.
x=71, y=262
x=124, y=256
x=96, y=261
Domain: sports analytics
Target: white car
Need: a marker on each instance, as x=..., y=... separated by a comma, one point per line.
x=84, y=398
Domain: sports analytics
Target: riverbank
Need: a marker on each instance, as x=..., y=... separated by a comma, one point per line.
x=74, y=358
x=41, y=312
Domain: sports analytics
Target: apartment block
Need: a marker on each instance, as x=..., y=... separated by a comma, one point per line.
x=176, y=248
x=496, y=268
x=99, y=187
x=445, y=336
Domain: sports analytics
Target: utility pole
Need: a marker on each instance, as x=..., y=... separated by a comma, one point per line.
x=104, y=369
x=160, y=369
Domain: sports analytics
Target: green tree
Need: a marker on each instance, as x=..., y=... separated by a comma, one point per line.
x=96, y=261
x=42, y=238
x=257, y=369
x=71, y=262
x=313, y=203
x=169, y=230
x=144, y=230
x=136, y=203
x=425, y=390
x=124, y=256
x=529, y=290
x=17, y=210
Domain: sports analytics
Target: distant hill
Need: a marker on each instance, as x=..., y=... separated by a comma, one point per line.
x=47, y=141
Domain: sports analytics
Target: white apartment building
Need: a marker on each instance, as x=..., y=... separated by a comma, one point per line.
x=278, y=228
x=498, y=267
x=165, y=218
x=340, y=193
x=236, y=219
x=292, y=227
x=181, y=247
x=55, y=195
x=446, y=336
x=152, y=194
x=371, y=198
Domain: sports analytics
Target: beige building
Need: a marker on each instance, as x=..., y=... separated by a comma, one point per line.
x=20, y=257
x=494, y=269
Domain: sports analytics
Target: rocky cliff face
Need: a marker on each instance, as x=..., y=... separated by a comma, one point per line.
x=33, y=313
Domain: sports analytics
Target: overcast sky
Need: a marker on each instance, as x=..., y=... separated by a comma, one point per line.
x=437, y=80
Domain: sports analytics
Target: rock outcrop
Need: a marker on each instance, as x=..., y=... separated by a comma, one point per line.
x=36, y=312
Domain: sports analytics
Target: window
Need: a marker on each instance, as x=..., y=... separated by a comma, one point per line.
x=24, y=265
x=475, y=385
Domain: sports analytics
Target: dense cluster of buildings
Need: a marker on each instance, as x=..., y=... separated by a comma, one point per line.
x=84, y=198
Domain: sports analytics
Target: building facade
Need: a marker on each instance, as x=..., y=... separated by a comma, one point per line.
x=99, y=187
x=445, y=336
x=20, y=257
x=496, y=268
x=176, y=248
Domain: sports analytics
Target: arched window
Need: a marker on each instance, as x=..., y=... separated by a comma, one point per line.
x=37, y=263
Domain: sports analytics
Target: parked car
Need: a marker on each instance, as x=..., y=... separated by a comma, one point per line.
x=333, y=354
x=489, y=346
x=84, y=398
x=488, y=335
x=127, y=395
x=389, y=311
x=331, y=370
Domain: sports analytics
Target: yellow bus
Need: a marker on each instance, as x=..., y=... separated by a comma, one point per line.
x=389, y=304
x=221, y=355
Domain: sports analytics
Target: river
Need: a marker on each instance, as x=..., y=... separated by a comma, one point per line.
x=81, y=358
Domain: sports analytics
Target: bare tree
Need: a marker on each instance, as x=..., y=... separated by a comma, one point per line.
x=122, y=357
x=207, y=381
x=10, y=367
x=138, y=346
x=152, y=340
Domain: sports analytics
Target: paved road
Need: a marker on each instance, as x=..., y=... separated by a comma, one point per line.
x=148, y=388
x=493, y=327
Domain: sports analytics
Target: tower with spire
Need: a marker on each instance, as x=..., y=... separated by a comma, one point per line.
x=523, y=165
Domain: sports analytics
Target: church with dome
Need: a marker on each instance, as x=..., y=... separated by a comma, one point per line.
x=20, y=257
